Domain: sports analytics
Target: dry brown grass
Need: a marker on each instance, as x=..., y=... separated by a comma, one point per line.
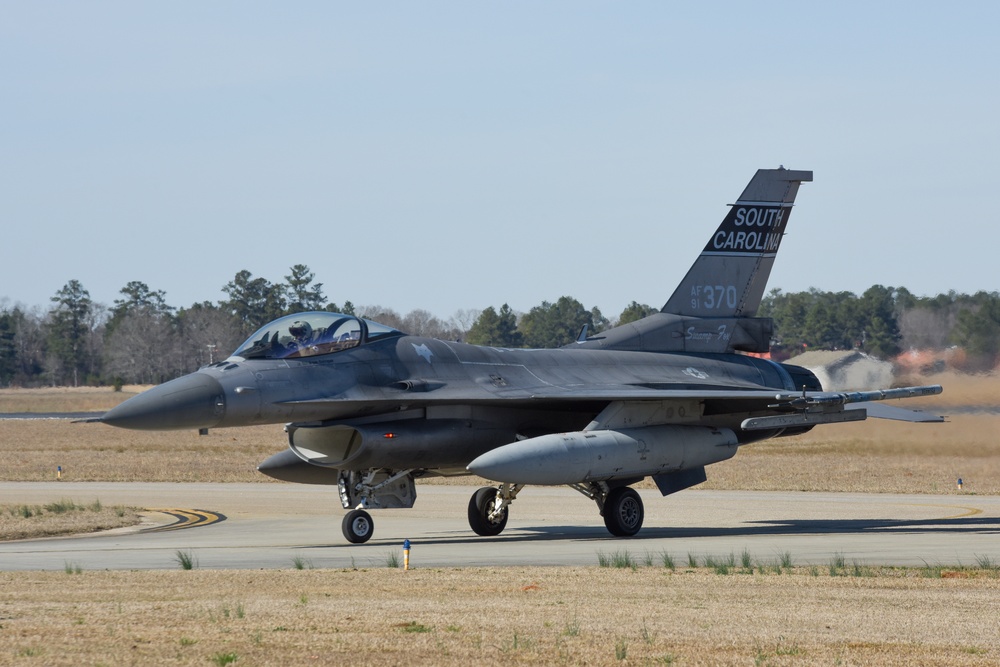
x=960, y=390
x=63, y=517
x=511, y=615
x=31, y=450
x=65, y=399
x=873, y=456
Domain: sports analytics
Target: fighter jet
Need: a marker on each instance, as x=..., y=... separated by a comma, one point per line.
x=371, y=409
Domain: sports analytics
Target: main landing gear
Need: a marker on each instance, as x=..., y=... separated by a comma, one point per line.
x=620, y=506
x=623, y=512
x=489, y=506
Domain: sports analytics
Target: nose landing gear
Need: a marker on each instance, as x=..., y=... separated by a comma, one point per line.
x=372, y=489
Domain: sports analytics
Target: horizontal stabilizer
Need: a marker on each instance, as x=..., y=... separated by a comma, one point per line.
x=882, y=411
x=826, y=408
x=843, y=398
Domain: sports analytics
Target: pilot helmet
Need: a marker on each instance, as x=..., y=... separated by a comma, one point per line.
x=300, y=330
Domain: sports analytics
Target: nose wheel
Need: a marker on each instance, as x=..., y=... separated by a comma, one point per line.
x=357, y=526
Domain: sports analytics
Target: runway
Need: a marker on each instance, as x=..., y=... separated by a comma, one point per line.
x=270, y=525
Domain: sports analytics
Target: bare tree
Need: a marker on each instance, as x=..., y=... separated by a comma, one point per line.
x=206, y=334
x=140, y=349
x=386, y=316
x=421, y=323
x=463, y=320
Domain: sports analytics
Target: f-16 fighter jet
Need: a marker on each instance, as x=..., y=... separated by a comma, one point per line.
x=370, y=409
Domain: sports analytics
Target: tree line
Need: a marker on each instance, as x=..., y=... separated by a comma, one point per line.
x=142, y=339
x=885, y=321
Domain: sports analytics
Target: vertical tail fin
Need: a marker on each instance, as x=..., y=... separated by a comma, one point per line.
x=729, y=277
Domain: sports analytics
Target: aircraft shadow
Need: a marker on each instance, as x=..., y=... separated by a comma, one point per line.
x=963, y=525
x=966, y=525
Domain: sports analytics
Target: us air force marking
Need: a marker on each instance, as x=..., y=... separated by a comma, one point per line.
x=423, y=351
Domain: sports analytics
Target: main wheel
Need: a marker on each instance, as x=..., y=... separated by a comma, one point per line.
x=480, y=506
x=357, y=526
x=623, y=512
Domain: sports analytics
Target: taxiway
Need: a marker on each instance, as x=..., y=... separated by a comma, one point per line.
x=270, y=525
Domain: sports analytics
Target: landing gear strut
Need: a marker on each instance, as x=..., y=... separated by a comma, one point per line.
x=488, y=508
x=372, y=489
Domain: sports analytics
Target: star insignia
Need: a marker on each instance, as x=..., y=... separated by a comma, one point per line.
x=423, y=351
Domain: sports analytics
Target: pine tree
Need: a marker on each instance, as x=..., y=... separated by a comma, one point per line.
x=68, y=328
x=301, y=293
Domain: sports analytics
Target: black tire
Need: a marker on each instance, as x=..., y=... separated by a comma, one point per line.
x=480, y=505
x=358, y=526
x=623, y=512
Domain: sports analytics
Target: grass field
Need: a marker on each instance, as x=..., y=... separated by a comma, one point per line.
x=62, y=517
x=642, y=616
x=64, y=399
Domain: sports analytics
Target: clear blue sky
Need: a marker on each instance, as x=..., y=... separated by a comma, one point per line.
x=460, y=155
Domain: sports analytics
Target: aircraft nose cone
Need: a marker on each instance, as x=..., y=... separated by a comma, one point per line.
x=192, y=401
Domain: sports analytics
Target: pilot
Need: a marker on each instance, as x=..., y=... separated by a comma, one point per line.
x=301, y=338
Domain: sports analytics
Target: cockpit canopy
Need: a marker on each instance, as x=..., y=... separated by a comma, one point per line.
x=311, y=334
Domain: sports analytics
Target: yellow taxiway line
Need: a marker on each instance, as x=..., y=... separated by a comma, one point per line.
x=185, y=518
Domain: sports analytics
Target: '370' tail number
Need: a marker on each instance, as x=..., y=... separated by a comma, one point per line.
x=713, y=297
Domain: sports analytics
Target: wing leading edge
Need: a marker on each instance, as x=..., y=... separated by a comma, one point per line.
x=799, y=409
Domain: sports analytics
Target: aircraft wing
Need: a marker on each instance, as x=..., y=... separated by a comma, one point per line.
x=793, y=409
x=773, y=398
x=807, y=408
